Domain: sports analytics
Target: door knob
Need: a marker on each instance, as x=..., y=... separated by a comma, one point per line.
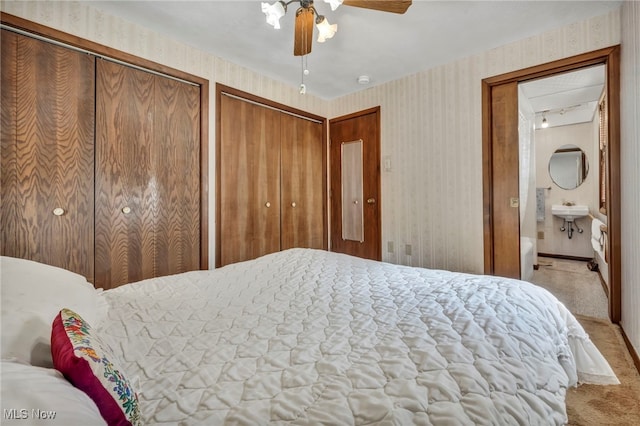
x=371, y=201
x=58, y=211
x=126, y=210
x=293, y=204
x=267, y=204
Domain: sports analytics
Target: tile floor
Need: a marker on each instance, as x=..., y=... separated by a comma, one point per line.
x=574, y=285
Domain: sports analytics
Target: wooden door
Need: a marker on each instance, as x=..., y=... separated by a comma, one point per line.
x=126, y=188
x=363, y=126
x=177, y=165
x=505, y=170
x=147, y=175
x=249, y=174
x=47, y=153
x=302, y=183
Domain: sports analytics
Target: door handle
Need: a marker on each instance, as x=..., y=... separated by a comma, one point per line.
x=371, y=201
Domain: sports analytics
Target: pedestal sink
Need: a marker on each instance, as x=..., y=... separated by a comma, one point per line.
x=569, y=213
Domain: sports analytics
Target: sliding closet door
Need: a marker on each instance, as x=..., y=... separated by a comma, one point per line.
x=47, y=153
x=126, y=184
x=147, y=176
x=302, y=180
x=177, y=162
x=249, y=173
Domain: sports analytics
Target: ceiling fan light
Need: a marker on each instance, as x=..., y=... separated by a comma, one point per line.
x=274, y=12
x=334, y=3
x=325, y=30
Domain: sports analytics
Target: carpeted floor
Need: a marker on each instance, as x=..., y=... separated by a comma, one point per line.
x=581, y=292
x=613, y=404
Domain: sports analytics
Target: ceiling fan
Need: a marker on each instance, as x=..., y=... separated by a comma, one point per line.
x=306, y=14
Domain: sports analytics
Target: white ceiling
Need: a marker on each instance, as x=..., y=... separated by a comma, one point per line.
x=568, y=98
x=384, y=46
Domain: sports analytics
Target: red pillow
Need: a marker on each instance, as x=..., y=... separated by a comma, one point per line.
x=89, y=365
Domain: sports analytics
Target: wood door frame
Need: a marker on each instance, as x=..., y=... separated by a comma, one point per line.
x=100, y=50
x=372, y=110
x=610, y=57
x=221, y=90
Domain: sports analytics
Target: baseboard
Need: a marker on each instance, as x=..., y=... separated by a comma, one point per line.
x=605, y=287
x=562, y=256
x=632, y=350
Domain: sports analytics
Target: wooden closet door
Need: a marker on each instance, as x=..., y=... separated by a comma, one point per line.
x=249, y=173
x=177, y=159
x=47, y=153
x=126, y=176
x=302, y=150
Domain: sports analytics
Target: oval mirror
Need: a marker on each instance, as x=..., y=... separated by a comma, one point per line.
x=568, y=167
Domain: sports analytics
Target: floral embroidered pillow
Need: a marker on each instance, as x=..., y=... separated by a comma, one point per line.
x=89, y=364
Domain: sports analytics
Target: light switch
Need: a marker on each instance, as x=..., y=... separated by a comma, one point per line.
x=387, y=163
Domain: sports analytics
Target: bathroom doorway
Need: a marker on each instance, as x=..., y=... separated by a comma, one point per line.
x=559, y=155
x=500, y=152
x=560, y=151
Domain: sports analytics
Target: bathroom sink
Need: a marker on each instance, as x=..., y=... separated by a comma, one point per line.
x=569, y=213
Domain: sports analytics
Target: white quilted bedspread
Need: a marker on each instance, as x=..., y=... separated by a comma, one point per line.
x=311, y=337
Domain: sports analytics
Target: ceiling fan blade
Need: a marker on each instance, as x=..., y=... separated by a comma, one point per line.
x=303, y=31
x=394, y=6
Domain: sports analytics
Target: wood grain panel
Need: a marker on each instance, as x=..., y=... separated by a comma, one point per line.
x=50, y=163
x=505, y=169
x=177, y=158
x=265, y=144
x=249, y=171
x=302, y=180
x=10, y=215
x=125, y=175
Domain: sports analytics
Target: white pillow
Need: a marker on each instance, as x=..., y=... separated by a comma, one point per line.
x=32, y=295
x=35, y=395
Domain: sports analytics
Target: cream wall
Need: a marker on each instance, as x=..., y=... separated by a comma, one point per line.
x=556, y=241
x=630, y=170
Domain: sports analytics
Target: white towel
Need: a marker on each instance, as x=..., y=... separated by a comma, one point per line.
x=597, y=238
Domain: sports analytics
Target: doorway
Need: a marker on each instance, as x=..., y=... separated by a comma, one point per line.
x=501, y=171
x=355, y=184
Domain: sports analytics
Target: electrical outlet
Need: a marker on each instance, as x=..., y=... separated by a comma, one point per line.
x=407, y=249
x=390, y=246
x=541, y=235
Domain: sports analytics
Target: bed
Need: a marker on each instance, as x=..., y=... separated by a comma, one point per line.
x=312, y=337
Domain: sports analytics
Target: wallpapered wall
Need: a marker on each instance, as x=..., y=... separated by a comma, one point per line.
x=431, y=129
x=630, y=153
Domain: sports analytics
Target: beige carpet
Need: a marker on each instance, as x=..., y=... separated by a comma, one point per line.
x=580, y=290
x=607, y=405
